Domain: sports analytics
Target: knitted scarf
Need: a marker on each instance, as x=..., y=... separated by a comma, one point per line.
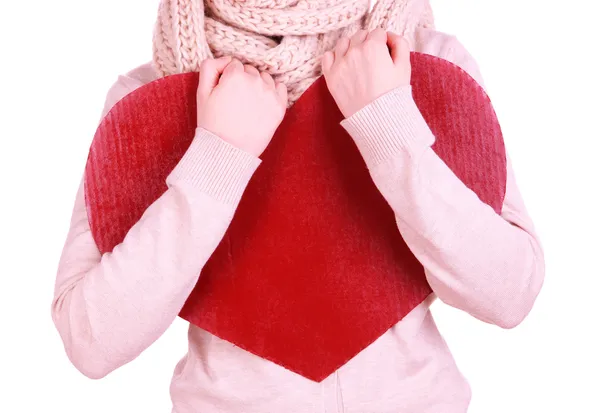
x=285, y=38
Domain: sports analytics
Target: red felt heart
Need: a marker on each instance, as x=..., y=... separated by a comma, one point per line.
x=312, y=268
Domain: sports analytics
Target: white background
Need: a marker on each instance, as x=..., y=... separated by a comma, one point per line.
x=539, y=60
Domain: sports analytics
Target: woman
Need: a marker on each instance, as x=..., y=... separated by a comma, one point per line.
x=255, y=59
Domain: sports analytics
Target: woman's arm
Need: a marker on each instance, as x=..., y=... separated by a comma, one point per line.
x=109, y=308
x=490, y=265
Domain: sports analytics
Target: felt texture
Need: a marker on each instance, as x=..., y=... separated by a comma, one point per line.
x=312, y=268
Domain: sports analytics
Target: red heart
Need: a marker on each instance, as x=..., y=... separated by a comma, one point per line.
x=312, y=268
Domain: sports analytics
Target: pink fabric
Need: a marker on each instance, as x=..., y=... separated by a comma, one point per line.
x=109, y=308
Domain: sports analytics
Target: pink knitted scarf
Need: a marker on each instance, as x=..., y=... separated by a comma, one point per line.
x=285, y=38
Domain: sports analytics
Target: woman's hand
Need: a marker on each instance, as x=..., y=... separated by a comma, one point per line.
x=239, y=104
x=365, y=67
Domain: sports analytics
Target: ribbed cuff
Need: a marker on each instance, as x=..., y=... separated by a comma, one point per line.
x=215, y=167
x=390, y=124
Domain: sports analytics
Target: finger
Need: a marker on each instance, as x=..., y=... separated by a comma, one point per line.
x=341, y=48
x=378, y=35
x=282, y=92
x=233, y=67
x=268, y=79
x=251, y=70
x=358, y=38
x=327, y=61
x=399, y=48
x=210, y=71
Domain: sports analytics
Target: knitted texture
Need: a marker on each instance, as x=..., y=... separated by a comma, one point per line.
x=285, y=38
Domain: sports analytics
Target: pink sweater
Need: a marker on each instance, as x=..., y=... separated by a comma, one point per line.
x=110, y=308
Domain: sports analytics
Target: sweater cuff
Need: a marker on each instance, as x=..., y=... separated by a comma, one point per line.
x=215, y=167
x=390, y=124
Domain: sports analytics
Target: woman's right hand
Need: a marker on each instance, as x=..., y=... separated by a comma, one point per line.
x=239, y=104
x=109, y=308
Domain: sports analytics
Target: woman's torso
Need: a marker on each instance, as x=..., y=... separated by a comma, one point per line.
x=407, y=370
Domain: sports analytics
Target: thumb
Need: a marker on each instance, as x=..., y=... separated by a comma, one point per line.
x=234, y=66
x=210, y=72
x=399, y=48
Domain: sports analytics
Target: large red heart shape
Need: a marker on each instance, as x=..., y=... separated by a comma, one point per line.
x=312, y=268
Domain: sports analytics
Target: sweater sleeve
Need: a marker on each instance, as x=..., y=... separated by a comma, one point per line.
x=110, y=307
x=489, y=265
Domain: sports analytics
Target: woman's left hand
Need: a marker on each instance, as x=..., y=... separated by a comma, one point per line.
x=365, y=67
